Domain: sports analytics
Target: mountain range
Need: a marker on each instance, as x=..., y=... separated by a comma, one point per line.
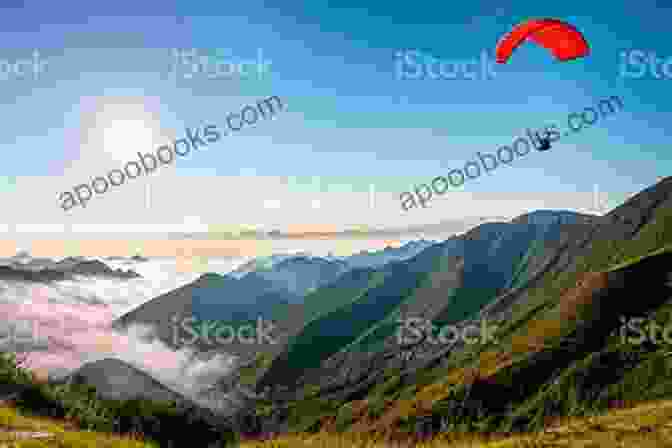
x=271, y=288
x=557, y=285
x=23, y=267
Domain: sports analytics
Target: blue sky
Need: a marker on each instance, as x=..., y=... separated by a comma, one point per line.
x=349, y=122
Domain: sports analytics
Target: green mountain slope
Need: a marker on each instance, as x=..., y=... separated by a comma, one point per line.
x=560, y=350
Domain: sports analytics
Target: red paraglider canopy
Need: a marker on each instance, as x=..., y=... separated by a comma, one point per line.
x=562, y=39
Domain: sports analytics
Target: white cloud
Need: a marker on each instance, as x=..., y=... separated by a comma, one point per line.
x=39, y=228
x=272, y=204
x=246, y=200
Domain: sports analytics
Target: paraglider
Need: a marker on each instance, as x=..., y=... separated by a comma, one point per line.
x=545, y=144
x=561, y=38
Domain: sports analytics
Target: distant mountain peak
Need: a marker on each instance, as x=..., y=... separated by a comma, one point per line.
x=547, y=217
x=211, y=276
x=22, y=255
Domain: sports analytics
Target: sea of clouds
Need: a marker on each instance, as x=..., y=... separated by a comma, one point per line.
x=76, y=316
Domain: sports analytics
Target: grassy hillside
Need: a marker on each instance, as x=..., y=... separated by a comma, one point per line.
x=554, y=358
x=79, y=418
x=339, y=293
x=644, y=426
x=446, y=283
x=555, y=377
x=32, y=432
x=559, y=353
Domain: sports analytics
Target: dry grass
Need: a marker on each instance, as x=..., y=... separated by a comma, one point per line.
x=648, y=425
x=62, y=434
